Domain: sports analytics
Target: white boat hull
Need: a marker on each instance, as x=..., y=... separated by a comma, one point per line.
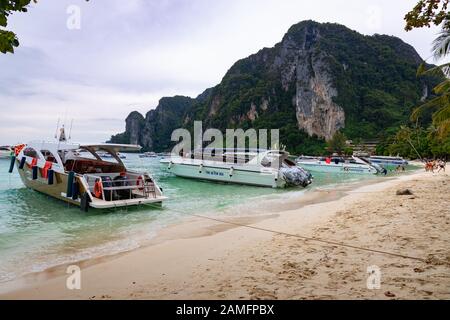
x=320, y=166
x=226, y=174
x=5, y=154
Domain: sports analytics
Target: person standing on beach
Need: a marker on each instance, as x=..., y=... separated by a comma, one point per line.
x=442, y=165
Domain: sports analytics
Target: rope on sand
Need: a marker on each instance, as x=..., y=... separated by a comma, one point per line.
x=333, y=243
x=322, y=241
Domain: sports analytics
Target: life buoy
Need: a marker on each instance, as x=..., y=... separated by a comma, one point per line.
x=140, y=182
x=98, y=189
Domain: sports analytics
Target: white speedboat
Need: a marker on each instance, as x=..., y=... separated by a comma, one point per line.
x=148, y=155
x=5, y=152
x=77, y=174
x=270, y=168
x=388, y=162
x=337, y=165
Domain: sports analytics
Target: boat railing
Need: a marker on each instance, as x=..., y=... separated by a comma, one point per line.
x=139, y=183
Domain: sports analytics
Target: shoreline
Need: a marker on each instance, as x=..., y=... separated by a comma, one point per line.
x=180, y=254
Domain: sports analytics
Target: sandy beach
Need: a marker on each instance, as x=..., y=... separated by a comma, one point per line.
x=317, y=248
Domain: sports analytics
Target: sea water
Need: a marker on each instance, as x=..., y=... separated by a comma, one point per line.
x=38, y=232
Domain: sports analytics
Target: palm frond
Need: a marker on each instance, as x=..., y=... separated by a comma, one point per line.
x=442, y=115
x=443, y=87
x=441, y=45
x=443, y=131
x=433, y=103
x=435, y=71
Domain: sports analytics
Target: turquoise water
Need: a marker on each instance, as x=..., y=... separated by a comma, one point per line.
x=37, y=232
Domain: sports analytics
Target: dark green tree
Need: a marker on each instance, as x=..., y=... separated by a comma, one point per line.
x=338, y=143
x=8, y=39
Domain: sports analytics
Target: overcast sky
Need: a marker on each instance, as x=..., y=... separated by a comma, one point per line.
x=126, y=55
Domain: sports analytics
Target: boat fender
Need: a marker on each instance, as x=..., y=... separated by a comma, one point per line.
x=170, y=165
x=98, y=189
x=51, y=175
x=200, y=168
x=231, y=172
x=11, y=166
x=35, y=172
x=85, y=200
x=75, y=190
x=70, y=180
x=22, y=163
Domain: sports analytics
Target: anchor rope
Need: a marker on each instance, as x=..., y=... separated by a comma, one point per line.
x=306, y=238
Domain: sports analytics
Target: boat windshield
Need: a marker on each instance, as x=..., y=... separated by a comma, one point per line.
x=86, y=160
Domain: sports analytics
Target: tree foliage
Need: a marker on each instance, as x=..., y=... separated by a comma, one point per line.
x=338, y=143
x=428, y=134
x=8, y=39
x=426, y=13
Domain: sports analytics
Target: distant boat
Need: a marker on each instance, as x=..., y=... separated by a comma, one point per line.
x=148, y=155
x=5, y=152
x=337, y=165
x=245, y=167
x=388, y=162
x=164, y=154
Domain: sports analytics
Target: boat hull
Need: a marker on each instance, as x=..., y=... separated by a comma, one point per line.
x=59, y=188
x=56, y=190
x=5, y=154
x=333, y=168
x=390, y=165
x=226, y=175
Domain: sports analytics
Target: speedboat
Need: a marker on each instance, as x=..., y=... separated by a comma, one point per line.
x=77, y=174
x=338, y=165
x=148, y=155
x=269, y=168
x=388, y=162
x=5, y=152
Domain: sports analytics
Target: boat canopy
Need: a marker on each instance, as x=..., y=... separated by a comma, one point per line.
x=55, y=148
x=114, y=148
x=94, y=147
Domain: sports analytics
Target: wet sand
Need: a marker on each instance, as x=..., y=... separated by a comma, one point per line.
x=319, y=247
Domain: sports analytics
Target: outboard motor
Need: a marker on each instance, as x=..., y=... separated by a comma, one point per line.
x=296, y=176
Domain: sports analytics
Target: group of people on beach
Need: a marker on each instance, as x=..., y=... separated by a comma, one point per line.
x=432, y=165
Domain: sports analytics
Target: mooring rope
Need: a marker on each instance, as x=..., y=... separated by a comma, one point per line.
x=306, y=238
